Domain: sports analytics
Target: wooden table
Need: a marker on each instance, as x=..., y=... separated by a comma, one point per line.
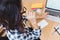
x=48, y=32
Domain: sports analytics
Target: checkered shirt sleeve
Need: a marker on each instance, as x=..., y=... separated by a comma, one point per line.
x=15, y=35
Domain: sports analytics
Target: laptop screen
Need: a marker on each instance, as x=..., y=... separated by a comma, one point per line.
x=53, y=4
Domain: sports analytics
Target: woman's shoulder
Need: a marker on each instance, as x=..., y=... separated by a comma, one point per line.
x=12, y=31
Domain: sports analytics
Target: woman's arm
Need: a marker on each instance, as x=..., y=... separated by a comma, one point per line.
x=32, y=19
x=36, y=29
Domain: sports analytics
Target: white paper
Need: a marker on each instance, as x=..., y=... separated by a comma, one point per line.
x=43, y=24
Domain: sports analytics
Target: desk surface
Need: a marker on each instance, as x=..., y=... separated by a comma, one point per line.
x=48, y=33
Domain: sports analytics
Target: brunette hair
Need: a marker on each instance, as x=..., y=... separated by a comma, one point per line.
x=10, y=14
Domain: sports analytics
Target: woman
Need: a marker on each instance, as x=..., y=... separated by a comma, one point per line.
x=11, y=18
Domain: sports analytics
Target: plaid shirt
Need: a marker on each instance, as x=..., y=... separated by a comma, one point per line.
x=15, y=35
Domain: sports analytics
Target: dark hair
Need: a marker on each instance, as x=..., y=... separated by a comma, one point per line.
x=10, y=14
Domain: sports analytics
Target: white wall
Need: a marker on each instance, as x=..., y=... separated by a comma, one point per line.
x=55, y=4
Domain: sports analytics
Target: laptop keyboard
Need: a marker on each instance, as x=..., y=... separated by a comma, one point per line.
x=53, y=18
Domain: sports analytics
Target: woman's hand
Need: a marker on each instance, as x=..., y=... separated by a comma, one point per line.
x=31, y=16
x=43, y=15
x=2, y=32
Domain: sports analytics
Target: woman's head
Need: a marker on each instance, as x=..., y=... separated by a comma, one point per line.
x=10, y=14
